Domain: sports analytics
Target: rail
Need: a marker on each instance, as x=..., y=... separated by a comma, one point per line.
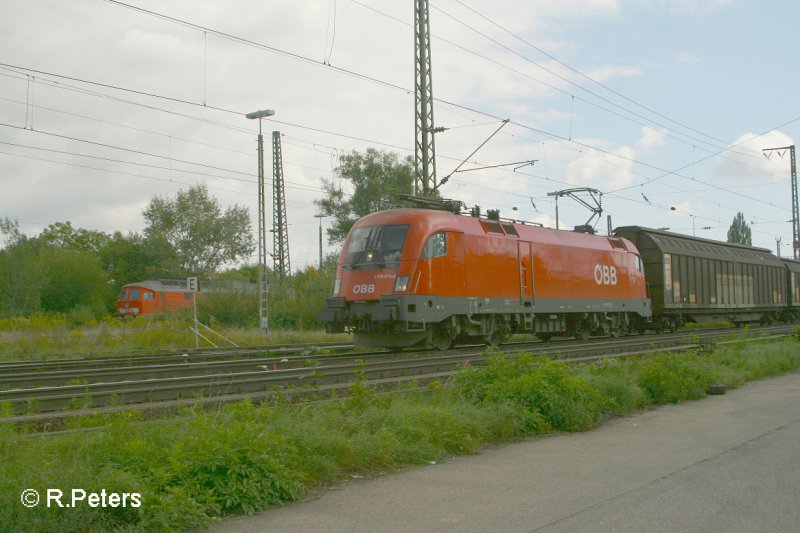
x=51, y=391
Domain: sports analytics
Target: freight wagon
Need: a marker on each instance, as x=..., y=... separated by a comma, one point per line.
x=690, y=279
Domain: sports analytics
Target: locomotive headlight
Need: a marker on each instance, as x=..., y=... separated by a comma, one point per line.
x=337, y=284
x=401, y=284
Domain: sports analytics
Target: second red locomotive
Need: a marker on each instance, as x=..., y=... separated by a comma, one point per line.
x=433, y=277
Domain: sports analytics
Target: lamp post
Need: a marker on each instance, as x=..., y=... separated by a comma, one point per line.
x=320, y=217
x=263, y=305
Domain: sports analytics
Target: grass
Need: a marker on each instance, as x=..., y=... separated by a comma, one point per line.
x=241, y=458
x=53, y=336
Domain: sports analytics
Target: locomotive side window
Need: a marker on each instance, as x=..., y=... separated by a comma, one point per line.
x=491, y=227
x=376, y=245
x=617, y=243
x=436, y=246
x=147, y=296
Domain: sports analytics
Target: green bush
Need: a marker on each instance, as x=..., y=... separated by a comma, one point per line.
x=229, y=309
x=83, y=315
x=554, y=396
x=673, y=377
x=617, y=386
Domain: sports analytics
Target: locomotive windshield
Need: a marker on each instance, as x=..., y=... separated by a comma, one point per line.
x=376, y=246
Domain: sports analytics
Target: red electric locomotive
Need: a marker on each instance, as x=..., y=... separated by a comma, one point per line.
x=431, y=277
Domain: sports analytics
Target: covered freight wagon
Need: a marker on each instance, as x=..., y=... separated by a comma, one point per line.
x=690, y=279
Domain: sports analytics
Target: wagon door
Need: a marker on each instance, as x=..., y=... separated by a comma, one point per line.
x=526, y=293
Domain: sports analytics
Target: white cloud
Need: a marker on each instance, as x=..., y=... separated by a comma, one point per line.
x=686, y=6
x=578, y=8
x=612, y=169
x=652, y=138
x=604, y=73
x=745, y=159
x=602, y=170
x=686, y=57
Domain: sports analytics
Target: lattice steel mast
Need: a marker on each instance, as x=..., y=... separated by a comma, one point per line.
x=795, y=208
x=425, y=152
x=280, y=227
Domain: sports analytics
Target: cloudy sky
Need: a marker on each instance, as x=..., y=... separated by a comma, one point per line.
x=659, y=104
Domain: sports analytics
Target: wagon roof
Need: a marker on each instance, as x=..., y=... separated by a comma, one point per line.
x=160, y=285
x=674, y=243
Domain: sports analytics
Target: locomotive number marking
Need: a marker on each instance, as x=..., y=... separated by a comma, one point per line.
x=364, y=288
x=605, y=275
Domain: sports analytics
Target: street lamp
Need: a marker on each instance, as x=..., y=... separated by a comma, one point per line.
x=263, y=306
x=260, y=114
x=320, y=217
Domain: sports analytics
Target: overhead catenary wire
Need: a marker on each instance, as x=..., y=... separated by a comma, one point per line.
x=585, y=76
x=367, y=140
x=292, y=54
x=550, y=134
x=362, y=139
x=550, y=85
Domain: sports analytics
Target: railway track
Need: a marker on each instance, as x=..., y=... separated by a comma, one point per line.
x=63, y=388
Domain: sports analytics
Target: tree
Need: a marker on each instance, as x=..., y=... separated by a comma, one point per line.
x=202, y=237
x=63, y=235
x=132, y=258
x=21, y=276
x=21, y=280
x=739, y=231
x=58, y=270
x=10, y=230
x=377, y=178
x=73, y=278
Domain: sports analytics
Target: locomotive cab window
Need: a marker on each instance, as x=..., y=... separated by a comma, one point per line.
x=123, y=295
x=376, y=246
x=436, y=246
x=134, y=294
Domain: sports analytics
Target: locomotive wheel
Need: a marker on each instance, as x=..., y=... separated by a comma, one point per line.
x=582, y=331
x=494, y=339
x=441, y=339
